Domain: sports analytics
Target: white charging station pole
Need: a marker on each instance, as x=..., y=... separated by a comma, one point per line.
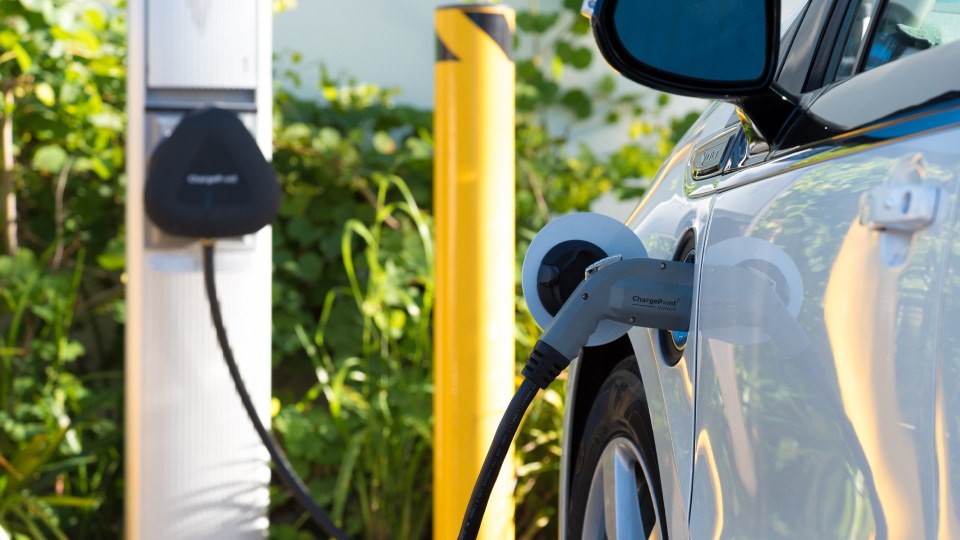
x=194, y=467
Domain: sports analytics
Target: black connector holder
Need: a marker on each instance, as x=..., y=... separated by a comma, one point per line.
x=209, y=179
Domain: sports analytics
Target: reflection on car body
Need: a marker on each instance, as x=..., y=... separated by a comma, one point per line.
x=818, y=391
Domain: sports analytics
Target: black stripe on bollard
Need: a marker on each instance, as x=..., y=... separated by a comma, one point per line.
x=444, y=54
x=495, y=25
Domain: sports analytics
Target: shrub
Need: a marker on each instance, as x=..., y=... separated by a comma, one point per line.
x=62, y=82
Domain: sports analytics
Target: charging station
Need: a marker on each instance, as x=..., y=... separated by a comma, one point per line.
x=194, y=466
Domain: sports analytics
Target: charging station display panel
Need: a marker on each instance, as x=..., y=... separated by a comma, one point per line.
x=202, y=44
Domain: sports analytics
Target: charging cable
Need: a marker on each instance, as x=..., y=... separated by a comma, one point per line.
x=640, y=292
x=210, y=180
x=280, y=463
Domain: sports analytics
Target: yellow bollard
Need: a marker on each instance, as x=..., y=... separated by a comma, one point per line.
x=475, y=262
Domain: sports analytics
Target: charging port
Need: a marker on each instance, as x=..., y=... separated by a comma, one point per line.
x=562, y=271
x=674, y=342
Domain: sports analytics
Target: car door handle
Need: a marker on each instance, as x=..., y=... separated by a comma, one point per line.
x=904, y=207
x=710, y=158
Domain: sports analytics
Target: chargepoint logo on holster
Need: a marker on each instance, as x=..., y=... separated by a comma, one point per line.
x=212, y=179
x=659, y=304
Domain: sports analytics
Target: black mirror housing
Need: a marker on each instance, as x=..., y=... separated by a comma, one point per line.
x=718, y=49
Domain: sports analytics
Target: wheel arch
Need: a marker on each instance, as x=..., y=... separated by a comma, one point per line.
x=596, y=364
x=586, y=378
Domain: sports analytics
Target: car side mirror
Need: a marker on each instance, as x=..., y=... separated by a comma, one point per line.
x=726, y=49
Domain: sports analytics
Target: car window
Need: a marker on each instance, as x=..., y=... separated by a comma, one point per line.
x=904, y=27
x=843, y=62
x=789, y=11
x=909, y=26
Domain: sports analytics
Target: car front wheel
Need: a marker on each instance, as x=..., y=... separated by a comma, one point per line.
x=615, y=488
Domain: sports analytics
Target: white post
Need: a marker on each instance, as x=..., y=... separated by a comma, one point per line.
x=194, y=465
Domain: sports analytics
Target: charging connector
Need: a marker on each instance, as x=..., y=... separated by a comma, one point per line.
x=639, y=291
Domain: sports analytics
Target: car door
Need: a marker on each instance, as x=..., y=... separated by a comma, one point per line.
x=821, y=309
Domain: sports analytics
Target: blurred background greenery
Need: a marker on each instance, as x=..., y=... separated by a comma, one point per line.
x=353, y=281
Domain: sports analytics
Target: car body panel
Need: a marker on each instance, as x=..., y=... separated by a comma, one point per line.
x=730, y=448
x=815, y=409
x=947, y=400
x=661, y=221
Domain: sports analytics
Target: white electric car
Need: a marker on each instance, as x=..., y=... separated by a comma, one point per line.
x=817, y=392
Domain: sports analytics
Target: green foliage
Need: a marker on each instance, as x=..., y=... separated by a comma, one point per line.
x=353, y=293
x=340, y=152
x=65, y=71
x=59, y=444
x=379, y=402
x=62, y=77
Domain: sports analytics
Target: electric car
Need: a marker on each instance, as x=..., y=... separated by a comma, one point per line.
x=817, y=391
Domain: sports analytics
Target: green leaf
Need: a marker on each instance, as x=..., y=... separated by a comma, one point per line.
x=556, y=67
x=295, y=132
x=70, y=350
x=34, y=455
x=536, y=23
x=527, y=70
x=49, y=158
x=88, y=40
x=327, y=139
x=111, y=262
x=577, y=101
x=73, y=502
x=95, y=18
x=100, y=168
x=607, y=85
x=23, y=58
x=384, y=143
x=303, y=231
x=70, y=92
x=345, y=474
x=581, y=26
x=581, y=58
x=38, y=6
x=109, y=120
x=310, y=266
x=578, y=57
x=45, y=94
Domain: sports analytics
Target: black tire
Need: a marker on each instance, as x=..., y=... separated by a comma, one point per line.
x=619, y=413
